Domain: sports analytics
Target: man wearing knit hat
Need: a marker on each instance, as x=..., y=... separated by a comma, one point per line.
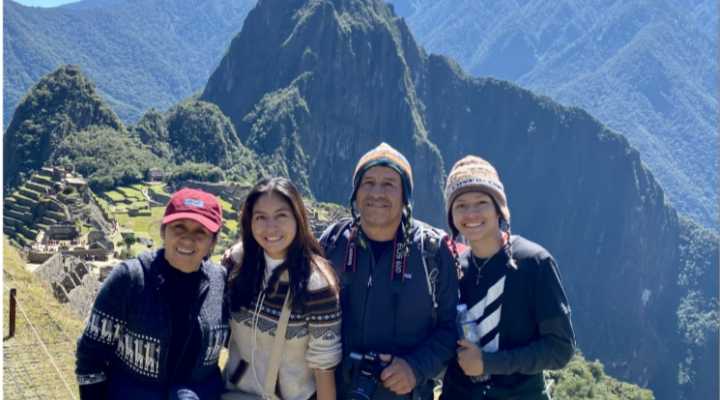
x=397, y=302
x=513, y=291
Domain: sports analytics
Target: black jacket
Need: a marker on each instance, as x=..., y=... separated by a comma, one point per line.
x=128, y=334
x=424, y=337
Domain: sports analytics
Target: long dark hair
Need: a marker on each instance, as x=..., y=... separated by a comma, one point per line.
x=303, y=254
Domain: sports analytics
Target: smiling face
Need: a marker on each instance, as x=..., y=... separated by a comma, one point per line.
x=186, y=242
x=273, y=225
x=475, y=216
x=379, y=199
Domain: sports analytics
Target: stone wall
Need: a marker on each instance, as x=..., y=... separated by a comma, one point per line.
x=163, y=198
x=83, y=253
x=39, y=258
x=65, y=274
x=52, y=270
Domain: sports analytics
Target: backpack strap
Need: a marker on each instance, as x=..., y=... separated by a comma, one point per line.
x=276, y=355
x=328, y=245
x=430, y=246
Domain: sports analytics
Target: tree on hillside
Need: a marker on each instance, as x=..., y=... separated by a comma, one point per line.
x=203, y=172
x=106, y=158
x=129, y=240
x=198, y=132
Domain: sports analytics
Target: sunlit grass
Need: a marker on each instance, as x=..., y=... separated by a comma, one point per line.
x=28, y=372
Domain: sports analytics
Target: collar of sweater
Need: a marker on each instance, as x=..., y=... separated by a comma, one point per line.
x=154, y=262
x=270, y=265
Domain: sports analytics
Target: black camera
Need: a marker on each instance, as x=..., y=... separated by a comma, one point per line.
x=365, y=371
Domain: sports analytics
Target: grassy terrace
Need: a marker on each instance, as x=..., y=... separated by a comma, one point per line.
x=27, y=371
x=225, y=204
x=149, y=225
x=27, y=192
x=158, y=188
x=56, y=215
x=38, y=187
x=20, y=199
x=102, y=203
x=44, y=178
x=232, y=225
x=130, y=193
x=115, y=196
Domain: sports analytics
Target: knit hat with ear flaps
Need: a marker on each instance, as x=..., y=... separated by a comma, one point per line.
x=473, y=174
x=386, y=156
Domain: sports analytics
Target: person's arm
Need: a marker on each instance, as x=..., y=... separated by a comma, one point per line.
x=434, y=353
x=325, y=384
x=97, y=344
x=232, y=256
x=324, y=320
x=553, y=350
x=95, y=391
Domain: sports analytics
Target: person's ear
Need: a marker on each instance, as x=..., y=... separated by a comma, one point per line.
x=212, y=246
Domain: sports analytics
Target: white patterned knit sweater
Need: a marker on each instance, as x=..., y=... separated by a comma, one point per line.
x=312, y=340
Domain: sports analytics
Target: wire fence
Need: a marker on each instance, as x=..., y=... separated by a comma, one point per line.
x=39, y=357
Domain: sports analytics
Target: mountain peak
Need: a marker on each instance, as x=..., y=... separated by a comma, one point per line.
x=60, y=104
x=315, y=51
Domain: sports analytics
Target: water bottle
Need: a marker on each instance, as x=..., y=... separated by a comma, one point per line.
x=467, y=328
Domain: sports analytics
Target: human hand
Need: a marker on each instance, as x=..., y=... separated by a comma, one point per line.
x=232, y=256
x=226, y=260
x=398, y=377
x=470, y=358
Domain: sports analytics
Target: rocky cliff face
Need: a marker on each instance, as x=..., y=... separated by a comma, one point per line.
x=335, y=69
x=332, y=79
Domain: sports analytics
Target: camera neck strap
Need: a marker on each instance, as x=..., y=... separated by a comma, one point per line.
x=398, y=260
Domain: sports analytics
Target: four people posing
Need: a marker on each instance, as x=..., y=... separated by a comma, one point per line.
x=160, y=321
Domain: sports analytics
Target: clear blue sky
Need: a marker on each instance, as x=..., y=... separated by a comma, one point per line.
x=44, y=3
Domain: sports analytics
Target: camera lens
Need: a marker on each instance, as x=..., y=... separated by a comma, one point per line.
x=363, y=389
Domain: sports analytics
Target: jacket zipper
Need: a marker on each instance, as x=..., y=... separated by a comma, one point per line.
x=367, y=295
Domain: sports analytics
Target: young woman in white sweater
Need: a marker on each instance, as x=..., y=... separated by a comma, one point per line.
x=279, y=255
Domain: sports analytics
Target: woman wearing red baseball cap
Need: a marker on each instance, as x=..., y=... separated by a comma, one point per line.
x=158, y=322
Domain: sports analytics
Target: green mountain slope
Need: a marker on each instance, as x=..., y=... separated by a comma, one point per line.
x=197, y=132
x=648, y=69
x=319, y=89
x=142, y=54
x=59, y=105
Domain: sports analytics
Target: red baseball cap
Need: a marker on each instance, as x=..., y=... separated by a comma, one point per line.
x=196, y=205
